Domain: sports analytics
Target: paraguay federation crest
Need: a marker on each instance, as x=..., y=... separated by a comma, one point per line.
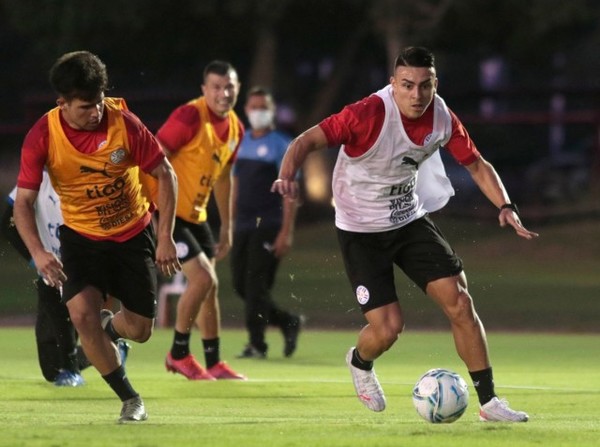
x=362, y=295
x=182, y=249
x=118, y=155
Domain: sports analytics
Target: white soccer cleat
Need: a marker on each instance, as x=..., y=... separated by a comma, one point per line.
x=497, y=410
x=367, y=386
x=133, y=411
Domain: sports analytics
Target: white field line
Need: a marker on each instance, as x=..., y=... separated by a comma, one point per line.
x=392, y=382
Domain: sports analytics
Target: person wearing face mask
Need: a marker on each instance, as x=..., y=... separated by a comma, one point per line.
x=263, y=227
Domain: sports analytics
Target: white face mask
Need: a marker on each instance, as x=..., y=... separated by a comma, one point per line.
x=260, y=118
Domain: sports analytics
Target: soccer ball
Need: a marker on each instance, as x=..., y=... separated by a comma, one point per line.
x=440, y=396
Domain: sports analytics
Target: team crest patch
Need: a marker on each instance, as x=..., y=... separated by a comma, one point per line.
x=182, y=249
x=362, y=295
x=118, y=156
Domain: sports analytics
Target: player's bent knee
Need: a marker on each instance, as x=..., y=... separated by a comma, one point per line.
x=203, y=283
x=82, y=320
x=461, y=309
x=140, y=333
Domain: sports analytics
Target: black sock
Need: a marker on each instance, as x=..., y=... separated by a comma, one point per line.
x=119, y=383
x=359, y=363
x=110, y=330
x=211, y=352
x=483, y=381
x=181, y=345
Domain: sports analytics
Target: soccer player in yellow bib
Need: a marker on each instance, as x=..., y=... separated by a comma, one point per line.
x=93, y=149
x=201, y=139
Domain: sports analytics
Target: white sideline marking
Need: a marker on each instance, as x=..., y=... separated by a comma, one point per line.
x=383, y=382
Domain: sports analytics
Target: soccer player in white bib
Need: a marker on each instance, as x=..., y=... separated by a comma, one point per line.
x=59, y=357
x=387, y=178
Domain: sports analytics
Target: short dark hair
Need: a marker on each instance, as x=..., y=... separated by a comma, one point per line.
x=415, y=57
x=221, y=68
x=259, y=90
x=79, y=74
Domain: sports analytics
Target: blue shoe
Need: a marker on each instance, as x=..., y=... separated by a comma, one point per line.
x=68, y=378
x=123, y=347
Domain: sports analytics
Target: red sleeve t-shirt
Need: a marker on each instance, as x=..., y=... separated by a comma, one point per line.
x=358, y=126
x=145, y=150
x=183, y=124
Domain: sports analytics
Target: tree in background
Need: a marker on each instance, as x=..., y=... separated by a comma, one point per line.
x=315, y=55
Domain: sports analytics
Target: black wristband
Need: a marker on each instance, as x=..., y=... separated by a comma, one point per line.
x=511, y=206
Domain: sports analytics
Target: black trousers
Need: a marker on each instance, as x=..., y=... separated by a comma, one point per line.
x=253, y=268
x=55, y=336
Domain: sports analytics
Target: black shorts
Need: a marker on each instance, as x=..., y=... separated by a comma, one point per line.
x=125, y=270
x=419, y=249
x=192, y=239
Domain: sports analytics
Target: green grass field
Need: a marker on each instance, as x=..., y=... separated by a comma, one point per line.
x=546, y=291
x=307, y=400
x=548, y=284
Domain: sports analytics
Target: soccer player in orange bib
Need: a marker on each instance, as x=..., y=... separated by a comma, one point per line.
x=201, y=139
x=93, y=149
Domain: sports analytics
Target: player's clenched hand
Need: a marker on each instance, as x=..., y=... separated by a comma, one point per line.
x=224, y=245
x=166, y=257
x=50, y=268
x=221, y=250
x=287, y=188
